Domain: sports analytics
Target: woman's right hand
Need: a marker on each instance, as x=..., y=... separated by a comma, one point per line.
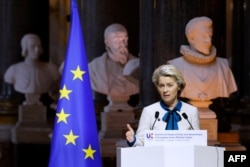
x=130, y=134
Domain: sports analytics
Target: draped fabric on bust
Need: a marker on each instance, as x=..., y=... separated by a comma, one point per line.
x=171, y=116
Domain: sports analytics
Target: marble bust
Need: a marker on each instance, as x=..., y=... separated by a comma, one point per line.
x=31, y=77
x=115, y=72
x=207, y=76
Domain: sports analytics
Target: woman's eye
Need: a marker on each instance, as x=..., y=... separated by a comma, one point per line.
x=161, y=86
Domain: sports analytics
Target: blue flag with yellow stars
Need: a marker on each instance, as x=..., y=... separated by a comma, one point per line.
x=75, y=140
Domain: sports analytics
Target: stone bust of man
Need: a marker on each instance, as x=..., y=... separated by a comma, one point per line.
x=115, y=72
x=31, y=77
x=207, y=76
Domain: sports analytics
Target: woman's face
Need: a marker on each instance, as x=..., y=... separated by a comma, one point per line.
x=168, y=90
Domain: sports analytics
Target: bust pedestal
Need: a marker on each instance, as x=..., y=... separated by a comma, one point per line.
x=118, y=103
x=113, y=122
x=208, y=119
x=32, y=126
x=209, y=122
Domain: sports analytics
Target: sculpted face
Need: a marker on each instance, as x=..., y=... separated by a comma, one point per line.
x=116, y=44
x=201, y=39
x=33, y=48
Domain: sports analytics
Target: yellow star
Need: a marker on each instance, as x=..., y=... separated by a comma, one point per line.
x=89, y=152
x=77, y=73
x=62, y=116
x=64, y=92
x=71, y=138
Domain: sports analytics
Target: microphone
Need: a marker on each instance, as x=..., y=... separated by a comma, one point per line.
x=156, y=117
x=186, y=117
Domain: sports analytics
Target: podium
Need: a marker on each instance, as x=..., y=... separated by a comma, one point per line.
x=170, y=156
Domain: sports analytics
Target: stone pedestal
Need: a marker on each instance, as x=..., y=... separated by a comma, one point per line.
x=5, y=132
x=113, y=127
x=211, y=125
x=113, y=124
x=231, y=141
x=208, y=119
x=118, y=103
x=32, y=126
x=209, y=122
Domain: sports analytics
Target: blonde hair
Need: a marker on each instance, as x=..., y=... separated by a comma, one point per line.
x=171, y=71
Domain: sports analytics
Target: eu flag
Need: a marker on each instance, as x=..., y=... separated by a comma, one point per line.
x=75, y=140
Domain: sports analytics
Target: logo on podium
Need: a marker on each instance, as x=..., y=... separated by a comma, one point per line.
x=175, y=137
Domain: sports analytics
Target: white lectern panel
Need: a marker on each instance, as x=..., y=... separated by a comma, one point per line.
x=170, y=156
x=175, y=137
